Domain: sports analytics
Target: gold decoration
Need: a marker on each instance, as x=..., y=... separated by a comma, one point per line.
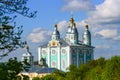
x=27, y=47
x=86, y=26
x=53, y=43
x=55, y=26
x=71, y=20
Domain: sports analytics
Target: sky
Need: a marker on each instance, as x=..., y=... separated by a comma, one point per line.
x=103, y=17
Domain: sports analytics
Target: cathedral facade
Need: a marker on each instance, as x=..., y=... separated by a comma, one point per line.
x=60, y=53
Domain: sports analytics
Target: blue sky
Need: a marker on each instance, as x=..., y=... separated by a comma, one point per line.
x=103, y=17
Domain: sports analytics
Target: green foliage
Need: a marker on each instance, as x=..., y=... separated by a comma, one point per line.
x=59, y=73
x=11, y=69
x=25, y=77
x=99, y=69
x=26, y=65
x=94, y=74
x=73, y=73
x=112, y=69
x=49, y=77
x=36, y=78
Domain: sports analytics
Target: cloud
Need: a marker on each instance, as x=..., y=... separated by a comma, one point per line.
x=62, y=26
x=107, y=12
x=39, y=35
x=76, y=5
x=107, y=33
x=105, y=22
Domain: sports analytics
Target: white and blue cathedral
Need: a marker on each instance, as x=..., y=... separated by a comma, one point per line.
x=60, y=52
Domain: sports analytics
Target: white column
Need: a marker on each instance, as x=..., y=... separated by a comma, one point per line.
x=59, y=58
x=48, y=49
x=69, y=56
x=39, y=56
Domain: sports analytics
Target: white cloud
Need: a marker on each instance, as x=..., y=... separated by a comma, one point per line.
x=43, y=35
x=106, y=19
x=75, y=5
x=107, y=12
x=107, y=33
x=39, y=35
x=62, y=26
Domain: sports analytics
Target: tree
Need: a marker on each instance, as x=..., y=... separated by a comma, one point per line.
x=10, y=39
x=8, y=7
x=112, y=69
x=11, y=69
x=49, y=77
x=36, y=78
x=96, y=68
x=73, y=73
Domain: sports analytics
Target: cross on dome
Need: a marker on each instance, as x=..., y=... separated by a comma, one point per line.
x=86, y=24
x=27, y=47
x=72, y=20
x=55, y=26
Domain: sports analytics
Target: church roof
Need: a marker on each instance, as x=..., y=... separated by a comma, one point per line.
x=38, y=69
x=27, y=54
x=62, y=43
x=47, y=70
x=34, y=68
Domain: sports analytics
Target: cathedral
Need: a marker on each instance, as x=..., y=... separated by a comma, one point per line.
x=60, y=52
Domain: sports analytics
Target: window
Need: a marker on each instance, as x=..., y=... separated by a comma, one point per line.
x=54, y=64
x=63, y=51
x=44, y=52
x=63, y=64
x=53, y=52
